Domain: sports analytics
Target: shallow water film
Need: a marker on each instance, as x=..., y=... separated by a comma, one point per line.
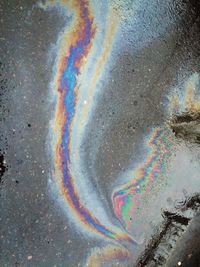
x=100, y=133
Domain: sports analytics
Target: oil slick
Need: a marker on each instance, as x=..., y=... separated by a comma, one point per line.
x=152, y=175
x=74, y=96
x=84, y=48
x=128, y=199
x=108, y=256
x=157, y=172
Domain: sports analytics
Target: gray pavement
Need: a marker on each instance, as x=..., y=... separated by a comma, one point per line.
x=157, y=50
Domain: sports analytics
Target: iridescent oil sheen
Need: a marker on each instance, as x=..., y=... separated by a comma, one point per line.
x=71, y=62
x=75, y=93
x=127, y=199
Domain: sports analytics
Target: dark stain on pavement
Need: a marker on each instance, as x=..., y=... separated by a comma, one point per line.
x=3, y=167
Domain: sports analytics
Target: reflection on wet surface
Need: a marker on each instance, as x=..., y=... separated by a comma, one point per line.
x=99, y=161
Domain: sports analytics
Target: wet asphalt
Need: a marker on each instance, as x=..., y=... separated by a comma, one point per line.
x=33, y=230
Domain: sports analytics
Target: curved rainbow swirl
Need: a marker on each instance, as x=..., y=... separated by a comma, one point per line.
x=77, y=45
x=162, y=148
x=71, y=117
x=76, y=49
x=127, y=199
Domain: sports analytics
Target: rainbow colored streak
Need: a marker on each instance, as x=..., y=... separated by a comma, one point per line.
x=107, y=256
x=127, y=200
x=69, y=70
x=76, y=47
x=71, y=66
